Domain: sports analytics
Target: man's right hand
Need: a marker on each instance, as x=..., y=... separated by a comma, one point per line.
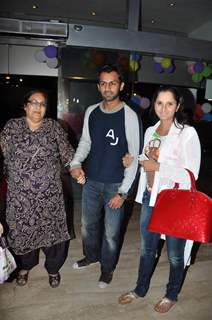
x=78, y=174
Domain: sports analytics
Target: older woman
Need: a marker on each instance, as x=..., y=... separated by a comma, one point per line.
x=170, y=147
x=34, y=148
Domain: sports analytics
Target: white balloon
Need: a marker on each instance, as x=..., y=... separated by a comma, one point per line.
x=40, y=55
x=158, y=59
x=189, y=62
x=206, y=107
x=52, y=63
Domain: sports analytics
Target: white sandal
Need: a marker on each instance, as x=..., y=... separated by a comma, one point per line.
x=127, y=297
x=164, y=305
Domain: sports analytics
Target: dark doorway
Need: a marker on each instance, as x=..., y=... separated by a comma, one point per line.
x=13, y=89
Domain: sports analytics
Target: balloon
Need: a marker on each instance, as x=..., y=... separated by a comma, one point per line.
x=52, y=63
x=123, y=61
x=158, y=68
x=98, y=58
x=206, y=107
x=136, y=99
x=134, y=65
x=145, y=103
x=207, y=71
x=191, y=68
x=135, y=56
x=190, y=62
x=170, y=69
x=198, y=67
x=207, y=117
x=197, y=77
x=50, y=51
x=166, y=62
x=158, y=59
x=40, y=56
x=198, y=112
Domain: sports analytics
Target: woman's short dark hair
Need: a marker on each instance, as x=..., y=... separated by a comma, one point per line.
x=108, y=68
x=31, y=92
x=180, y=117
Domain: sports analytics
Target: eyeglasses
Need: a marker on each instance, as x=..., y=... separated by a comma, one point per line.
x=109, y=83
x=37, y=104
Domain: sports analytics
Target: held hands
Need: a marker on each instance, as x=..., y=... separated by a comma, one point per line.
x=127, y=160
x=1, y=229
x=150, y=165
x=116, y=202
x=79, y=175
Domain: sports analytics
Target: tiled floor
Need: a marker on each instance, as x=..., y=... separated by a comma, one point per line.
x=79, y=298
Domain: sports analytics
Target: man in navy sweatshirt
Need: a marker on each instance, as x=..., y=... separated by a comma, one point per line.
x=110, y=130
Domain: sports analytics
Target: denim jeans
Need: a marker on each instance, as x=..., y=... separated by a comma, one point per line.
x=101, y=228
x=149, y=246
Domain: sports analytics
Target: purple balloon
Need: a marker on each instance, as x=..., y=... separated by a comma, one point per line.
x=170, y=69
x=199, y=67
x=158, y=68
x=50, y=51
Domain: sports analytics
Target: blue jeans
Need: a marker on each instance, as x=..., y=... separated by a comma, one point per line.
x=149, y=246
x=101, y=228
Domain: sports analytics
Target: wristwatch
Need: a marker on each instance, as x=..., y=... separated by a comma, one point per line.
x=123, y=195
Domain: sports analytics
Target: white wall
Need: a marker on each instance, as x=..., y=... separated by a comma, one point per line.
x=203, y=33
x=22, y=61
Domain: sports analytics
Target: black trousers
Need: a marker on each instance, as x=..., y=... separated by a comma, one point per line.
x=55, y=258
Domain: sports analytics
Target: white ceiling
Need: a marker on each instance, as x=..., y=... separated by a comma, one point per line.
x=183, y=18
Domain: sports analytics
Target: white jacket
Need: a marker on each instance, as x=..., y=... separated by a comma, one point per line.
x=180, y=150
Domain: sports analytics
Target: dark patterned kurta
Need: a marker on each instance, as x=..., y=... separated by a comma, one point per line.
x=35, y=205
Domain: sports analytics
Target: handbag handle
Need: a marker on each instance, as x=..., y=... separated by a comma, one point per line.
x=193, y=183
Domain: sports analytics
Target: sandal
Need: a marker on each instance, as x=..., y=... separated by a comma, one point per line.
x=54, y=280
x=127, y=297
x=164, y=305
x=22, y=279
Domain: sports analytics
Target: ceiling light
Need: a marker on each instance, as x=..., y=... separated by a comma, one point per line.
x=35, y=6
x=93, y=13
x=21, y=80
x=172, y=4
x=153, y=21
x=7, y=77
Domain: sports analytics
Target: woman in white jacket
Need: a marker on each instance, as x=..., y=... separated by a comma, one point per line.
x=170, y=146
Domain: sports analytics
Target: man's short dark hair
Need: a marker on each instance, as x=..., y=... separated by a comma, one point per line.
x=110, y=68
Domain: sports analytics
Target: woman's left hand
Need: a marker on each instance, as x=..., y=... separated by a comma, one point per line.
x=1, y=229
x=150, y=165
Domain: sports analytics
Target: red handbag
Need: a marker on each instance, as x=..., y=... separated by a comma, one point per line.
x=183, y=214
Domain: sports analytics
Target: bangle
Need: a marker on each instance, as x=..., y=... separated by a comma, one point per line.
x=123, y=195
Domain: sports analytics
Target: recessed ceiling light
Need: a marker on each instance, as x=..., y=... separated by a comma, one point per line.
x=7, y=77
x=21, y=80
x=153, y=21
x=35, y=6
x=172, y=4
x=93, y=13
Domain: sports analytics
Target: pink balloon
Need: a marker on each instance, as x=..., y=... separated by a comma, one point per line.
x=145, y=103
x=191, y=68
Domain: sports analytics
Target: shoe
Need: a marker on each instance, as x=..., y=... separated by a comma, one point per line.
x=164, y=305
x=22, y=278
x=54, y=280
x=105, y=279
x=127, y=297
x=83, y=263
